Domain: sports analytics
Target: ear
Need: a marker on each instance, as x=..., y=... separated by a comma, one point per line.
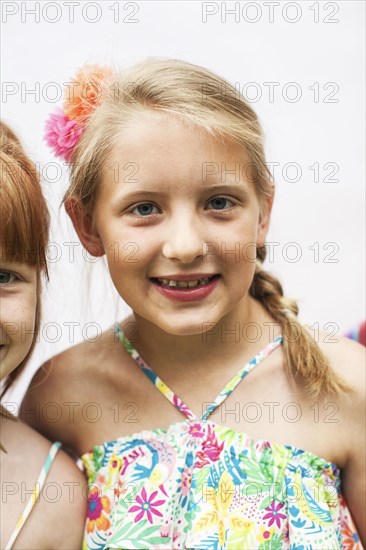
x=264, y=218
x=85, y=228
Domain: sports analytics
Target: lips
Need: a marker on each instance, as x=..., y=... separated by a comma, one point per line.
x=181, y=282
x=186, y=293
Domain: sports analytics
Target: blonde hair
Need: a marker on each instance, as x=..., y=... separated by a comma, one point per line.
x=200, y=98
x=24, y=219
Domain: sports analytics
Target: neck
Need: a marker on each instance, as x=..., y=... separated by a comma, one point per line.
x=239, y=335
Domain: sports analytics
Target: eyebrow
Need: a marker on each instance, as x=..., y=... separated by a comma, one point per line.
x=9, y=265
x=217, y=187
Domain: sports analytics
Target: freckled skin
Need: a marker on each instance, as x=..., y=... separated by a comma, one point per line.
x=26, y=449
x=18, y=296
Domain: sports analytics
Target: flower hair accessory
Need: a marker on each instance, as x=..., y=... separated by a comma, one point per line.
x=82, y=96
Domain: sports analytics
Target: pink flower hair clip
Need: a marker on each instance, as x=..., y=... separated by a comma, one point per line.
x=82, y=96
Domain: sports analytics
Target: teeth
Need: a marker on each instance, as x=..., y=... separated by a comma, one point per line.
x=184, y=284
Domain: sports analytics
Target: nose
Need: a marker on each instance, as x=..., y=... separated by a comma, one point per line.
x=184, y=239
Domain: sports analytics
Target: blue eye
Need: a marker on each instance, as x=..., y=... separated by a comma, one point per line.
x=219, y=203
x=6, y=277
x=143, y=209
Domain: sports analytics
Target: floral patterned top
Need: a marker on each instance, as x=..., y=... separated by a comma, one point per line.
x=201, y=485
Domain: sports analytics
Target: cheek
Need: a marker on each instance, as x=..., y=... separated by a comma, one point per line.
x=238, y=247
x=127, y=254
x=18, y=316
x=123, y=261
x=30, y=310
x=119, y=245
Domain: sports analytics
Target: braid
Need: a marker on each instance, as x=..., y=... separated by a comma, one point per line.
x=305, y=364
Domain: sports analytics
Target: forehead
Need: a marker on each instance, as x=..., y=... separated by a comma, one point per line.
x=19, y=248
x=9, y=259
x=158, y=148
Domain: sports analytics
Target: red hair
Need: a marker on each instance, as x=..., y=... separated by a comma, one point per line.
x=24, y=219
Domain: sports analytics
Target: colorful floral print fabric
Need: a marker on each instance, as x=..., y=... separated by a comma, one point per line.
x=201, y=485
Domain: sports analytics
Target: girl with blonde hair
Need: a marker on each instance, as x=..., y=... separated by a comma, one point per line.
x=169, y=183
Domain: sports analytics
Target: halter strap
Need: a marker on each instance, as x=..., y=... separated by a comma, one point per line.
x=230, y=386
x=35, y=494
x=172, y=397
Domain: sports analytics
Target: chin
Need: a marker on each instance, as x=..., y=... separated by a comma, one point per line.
x=187, y=327
x=189, y=330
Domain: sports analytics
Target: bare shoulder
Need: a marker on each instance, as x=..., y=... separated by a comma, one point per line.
x=56, y=382
x=67, y=505
x=347, y=358
x=64, y=389
x=64, y=379
x=79, y=365
x=60, y=373
x=26, y=452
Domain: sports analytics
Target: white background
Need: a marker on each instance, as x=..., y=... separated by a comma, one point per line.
x=319, y=46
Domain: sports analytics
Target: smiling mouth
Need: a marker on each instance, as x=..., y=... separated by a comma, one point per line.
x=183, y=285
